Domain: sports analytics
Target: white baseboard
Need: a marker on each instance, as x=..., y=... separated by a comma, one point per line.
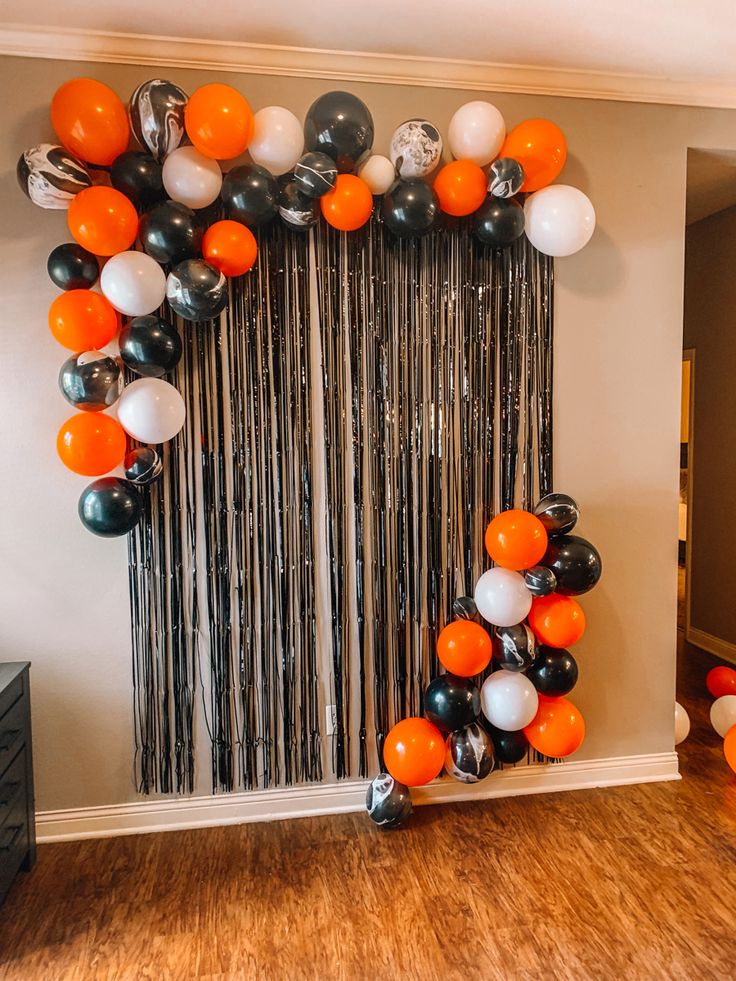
x=317, y=799
x=713, y=645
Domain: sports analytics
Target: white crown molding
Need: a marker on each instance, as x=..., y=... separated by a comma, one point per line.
x=314, y=800
x=68, y=44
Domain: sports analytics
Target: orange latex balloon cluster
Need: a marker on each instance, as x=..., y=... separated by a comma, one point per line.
x=103, y=220
x=90, y=120
x=219, y=121
x=516, y=539
x=461, y=187
x=230, y=247
x=540, y=147
x=349, y=204
x=414, y=751
x=558, y=728
x=82, y=320
x=556, y=621
x=91, y=443
x=464, y=648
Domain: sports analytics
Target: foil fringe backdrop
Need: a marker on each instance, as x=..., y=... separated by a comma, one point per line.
x=435, y=385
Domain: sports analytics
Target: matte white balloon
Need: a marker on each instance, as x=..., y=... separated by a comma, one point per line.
x=378, y=172
x=477, y=131
x=559, y=219
x=151, y=410
x=278, y=139
x=502, y=597
x=682, y=724
x=191, y=178
x=134, y=283
x=509, y=701
x=723, y=714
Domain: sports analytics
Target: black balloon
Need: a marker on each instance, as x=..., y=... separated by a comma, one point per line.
x=196, y=291
x=73, y=268
x=143, y=465
x=138, y=176
x=250, y=195
x=110, y=507
x=540, y=581
x=315, y=174
x=464, y=608
x=469, y=754
x=558, y=513
x=410, y=208
x=498, y=222
x=388, y=802
x=296, y=208
x=554, y=673
x=575, y=562
x=451, y=702
x=171, y=233
x=91, y=380
x=50, y=176
x=505, y=177
x=514, y=648
x=150, y=346
x=156, y=112
x=340, y=125
x=508, y=747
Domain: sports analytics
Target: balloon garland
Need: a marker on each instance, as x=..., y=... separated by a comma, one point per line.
x=721, y=683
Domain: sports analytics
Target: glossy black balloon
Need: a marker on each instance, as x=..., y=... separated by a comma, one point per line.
x=505, y=177
x=196, y=291
x=315, y=174
x=469, y=754
x=498, y=222
x=340, y=125
x=388, y=802
x=110, y=507
x=451, y=702
x=508, y=747
x=296, y=208
x=150, y=346
x=464, y=608
x=250, y=194
x=143, y=465
x=558, y=513
x=554, y=672
x=171, y=233
x=91, y=381
x=514, y=648
x=575, y=562
x=540, y=581
x=73, y=268
x=138, y=176
x=410, y=208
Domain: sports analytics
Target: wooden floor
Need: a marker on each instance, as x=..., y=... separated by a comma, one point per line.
x=633, y=882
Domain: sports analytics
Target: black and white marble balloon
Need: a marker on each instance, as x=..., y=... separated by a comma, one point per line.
x=559, y=513
x=514, y=648
x=388, y=802
x=50, y=176
x=91, y=380
x=416, y=148
x=540, y=581
x=196, y=291
x=469, y=754
x=464, y=608
x=143, y=465
x=296, y=208
x=156, y=112
x=315, y=174
x=505, y=177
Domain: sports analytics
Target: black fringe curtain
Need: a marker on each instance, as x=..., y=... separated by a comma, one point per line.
x=434, y=387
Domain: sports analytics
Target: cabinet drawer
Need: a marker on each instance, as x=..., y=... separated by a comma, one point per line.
x=14, y=843
x=12, y=787
x=12, y=732
x=10, y=695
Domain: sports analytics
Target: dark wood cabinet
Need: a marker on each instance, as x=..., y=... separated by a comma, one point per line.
x=17, y=822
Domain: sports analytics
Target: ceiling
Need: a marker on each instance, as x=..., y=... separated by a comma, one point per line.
x=711, y=182
x=679, y=39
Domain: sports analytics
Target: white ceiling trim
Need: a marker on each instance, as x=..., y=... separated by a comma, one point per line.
x=233, y=56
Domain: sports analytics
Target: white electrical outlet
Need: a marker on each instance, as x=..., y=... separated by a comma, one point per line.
x=331, y=720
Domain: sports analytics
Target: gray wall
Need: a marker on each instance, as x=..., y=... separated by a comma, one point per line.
x=618, y=348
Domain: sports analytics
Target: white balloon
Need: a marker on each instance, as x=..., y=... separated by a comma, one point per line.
x=134, y=283
x=509, y=700
x=191, y=178
x=278, y=139
x=378, y=172
x=151, y=410
x=559, y=219
x=682, y=724
x=477, y=131
x=502, y=597
x=723, y=714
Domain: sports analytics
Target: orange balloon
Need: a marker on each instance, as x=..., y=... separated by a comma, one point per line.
x=230, y=247
x=82, y=320
x=721, y=681
x=349, y=204
x=540, y=147
x=414, y=752
x=729, y=748
x=557, y=621
x=219, y=121
x=461, y=187
x=558, y=728
x=90, y=120
x=464, y=648
x=91, y=443
x=516, y=539
x=102, y=220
